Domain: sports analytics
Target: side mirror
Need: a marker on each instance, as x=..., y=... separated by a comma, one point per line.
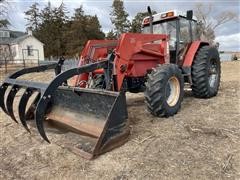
x=189, y=14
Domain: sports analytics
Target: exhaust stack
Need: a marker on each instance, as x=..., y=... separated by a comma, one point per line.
x=150, y=19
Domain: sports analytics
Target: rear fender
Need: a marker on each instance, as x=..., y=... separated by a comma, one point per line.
x=188, y=60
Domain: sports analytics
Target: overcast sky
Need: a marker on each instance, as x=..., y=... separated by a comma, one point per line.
x=228, y=35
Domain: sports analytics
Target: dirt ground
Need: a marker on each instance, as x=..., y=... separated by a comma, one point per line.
x=201, y=142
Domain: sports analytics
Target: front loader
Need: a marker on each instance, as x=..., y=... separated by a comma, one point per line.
x=89, y=100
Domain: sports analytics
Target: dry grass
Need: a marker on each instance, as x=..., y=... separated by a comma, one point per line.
x=201, y=142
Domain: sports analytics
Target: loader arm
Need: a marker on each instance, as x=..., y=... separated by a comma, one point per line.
x=134, y=55
x=137, y=53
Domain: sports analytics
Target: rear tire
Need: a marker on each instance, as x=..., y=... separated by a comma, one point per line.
x=206, y=72
x=164, y=90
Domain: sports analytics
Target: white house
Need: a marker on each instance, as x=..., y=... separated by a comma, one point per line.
x=18, y=47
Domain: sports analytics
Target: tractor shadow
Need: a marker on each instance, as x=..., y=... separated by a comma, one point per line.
x=139, y=100
x=137, y=109
x=136, y=101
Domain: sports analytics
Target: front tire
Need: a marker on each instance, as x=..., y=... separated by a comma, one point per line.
x=99, y=82
x=206, y=72
x=164, y=90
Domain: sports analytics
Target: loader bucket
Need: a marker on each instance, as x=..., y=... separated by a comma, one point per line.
x=89, y=121
x=98, y=117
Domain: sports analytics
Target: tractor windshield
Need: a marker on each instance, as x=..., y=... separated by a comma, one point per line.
x=166, y=27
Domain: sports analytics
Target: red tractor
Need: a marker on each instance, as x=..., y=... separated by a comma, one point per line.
x=158, y=61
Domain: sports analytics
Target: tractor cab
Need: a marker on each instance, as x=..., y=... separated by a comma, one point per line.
x=179, y=26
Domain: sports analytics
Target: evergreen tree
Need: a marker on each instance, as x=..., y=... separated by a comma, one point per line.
x=76, y=35
x=33, y=17
x=60, y=34
x=4, y=21
x=51, y=30
x=111, y=35
x=93, y=28
x=59, y=19
x=46, y=32
x=82, y=28
x=137, y=21
x=119, y=17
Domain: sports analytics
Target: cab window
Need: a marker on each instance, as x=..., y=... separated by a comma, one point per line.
x=194, y=31
x=164, y=27
x=184, y=35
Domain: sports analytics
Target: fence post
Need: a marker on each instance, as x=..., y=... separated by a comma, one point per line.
x=5, y=59
x=24, y=65
x=38, y=56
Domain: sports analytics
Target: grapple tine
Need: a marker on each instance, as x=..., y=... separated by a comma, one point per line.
x=39, y=117
x=3, y=89
x=10, y=100
x=32, y=108
x=22, y=107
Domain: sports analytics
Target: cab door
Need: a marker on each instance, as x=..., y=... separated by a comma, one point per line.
x=184, y=38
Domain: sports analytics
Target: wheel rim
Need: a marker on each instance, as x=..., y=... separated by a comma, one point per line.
x=172, y=91
x=213, y=73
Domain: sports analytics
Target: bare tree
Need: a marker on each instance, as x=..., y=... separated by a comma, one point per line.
x=5, y=55
x=209, y=22
x=3, y=6
x=4, y=22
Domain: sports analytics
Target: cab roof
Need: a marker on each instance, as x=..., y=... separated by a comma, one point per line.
x=167, y=15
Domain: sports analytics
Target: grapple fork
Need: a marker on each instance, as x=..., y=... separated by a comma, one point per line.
x=92, y=121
